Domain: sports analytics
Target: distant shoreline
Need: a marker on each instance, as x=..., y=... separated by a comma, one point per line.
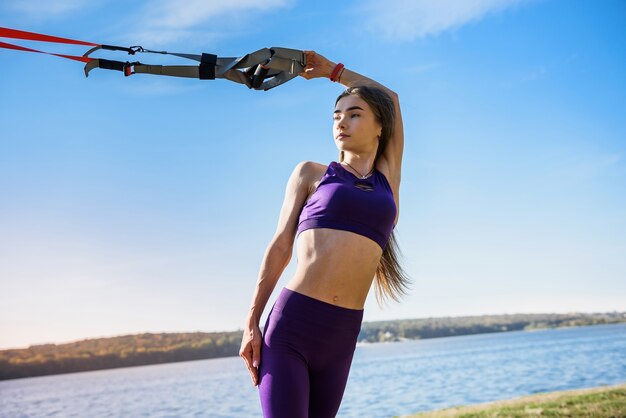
x=148, y=348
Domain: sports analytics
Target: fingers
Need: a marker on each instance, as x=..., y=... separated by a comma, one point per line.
x=316, y=65
x=254, y=374
x=250, y=352
x=256, y=360
x=252, y=369
x=307, y=73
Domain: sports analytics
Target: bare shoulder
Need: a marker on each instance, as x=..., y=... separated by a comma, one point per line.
x=308, y=173
x=310, y=168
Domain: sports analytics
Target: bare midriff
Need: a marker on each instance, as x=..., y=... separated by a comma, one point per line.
x=335, y=266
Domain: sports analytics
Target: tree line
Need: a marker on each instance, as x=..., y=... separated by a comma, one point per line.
x=122, y=351
x=411, y=329
x=150, y=348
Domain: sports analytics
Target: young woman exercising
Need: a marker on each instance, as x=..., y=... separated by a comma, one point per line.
x=343, y=216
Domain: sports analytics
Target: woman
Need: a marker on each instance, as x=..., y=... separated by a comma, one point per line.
x=343, y=215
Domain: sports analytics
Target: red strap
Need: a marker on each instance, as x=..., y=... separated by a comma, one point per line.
x=21, y=48
x=31, y=36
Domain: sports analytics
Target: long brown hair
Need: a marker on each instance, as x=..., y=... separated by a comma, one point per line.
x=391, y=280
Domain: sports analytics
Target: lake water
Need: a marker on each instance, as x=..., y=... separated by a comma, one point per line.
x=386, y=379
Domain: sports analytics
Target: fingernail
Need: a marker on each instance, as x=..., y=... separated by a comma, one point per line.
x=255, y=364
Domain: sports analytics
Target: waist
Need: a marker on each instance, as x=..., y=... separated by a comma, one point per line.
x=335, y=266
x=313, y=308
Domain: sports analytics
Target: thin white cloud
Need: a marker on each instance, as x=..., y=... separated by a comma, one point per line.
x=583, y=167
x=45, y=8
x=423, y=68
x=408, y=20
x=163, y=88
x=164, y=38
x=180, y=20
x=182, y=14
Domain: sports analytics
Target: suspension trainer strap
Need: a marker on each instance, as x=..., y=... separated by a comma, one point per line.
x=261, y=70
x=31, y=36
x=21, y=48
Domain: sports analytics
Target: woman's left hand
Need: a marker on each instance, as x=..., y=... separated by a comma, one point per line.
x=250, y=351
x=317, y=66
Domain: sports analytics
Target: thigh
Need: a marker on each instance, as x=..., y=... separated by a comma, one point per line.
x=283, y=375
x=327, y=387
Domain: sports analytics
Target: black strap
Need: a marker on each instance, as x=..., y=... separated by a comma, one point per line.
x=111, y=65
x=207, y=67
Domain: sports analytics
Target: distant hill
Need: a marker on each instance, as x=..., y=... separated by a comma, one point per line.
x=143, y=349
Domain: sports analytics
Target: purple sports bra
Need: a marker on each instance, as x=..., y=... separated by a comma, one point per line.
x=343, y=201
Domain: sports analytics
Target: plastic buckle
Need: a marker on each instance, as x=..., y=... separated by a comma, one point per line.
x=128, y=68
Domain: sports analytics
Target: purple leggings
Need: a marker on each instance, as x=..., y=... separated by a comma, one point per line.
x=306, y=355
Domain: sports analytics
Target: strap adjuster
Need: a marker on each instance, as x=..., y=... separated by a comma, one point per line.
x=129, y=68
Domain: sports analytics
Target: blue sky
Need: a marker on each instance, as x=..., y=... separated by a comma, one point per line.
x=144, y=204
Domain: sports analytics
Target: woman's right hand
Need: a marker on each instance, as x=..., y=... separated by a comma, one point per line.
x=316, y=66
x=250, y=351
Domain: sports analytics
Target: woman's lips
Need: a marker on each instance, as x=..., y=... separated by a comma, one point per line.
x=342, y=136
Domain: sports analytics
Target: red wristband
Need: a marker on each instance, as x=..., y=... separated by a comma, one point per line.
x=333, y=75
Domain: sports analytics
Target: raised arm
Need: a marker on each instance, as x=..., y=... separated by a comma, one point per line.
x=390, y=162
x=392, y=156
x=276, y=258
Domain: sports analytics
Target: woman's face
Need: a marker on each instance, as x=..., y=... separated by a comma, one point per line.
x=355, y=128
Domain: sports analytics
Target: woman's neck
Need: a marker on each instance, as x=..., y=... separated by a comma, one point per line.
x=362, y=164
